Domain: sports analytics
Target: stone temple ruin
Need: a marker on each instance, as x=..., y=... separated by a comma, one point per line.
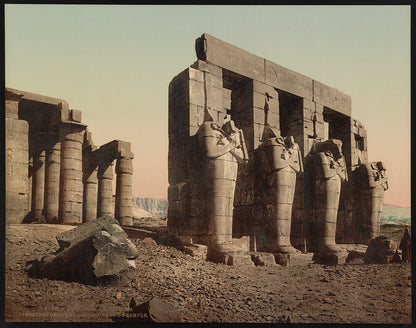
x=264, y=160
x=54, y=172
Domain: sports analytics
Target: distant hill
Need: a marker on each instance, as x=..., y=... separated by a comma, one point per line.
x=392, y=213
x=157, y=207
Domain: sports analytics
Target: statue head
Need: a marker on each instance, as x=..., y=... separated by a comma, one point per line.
x=333, y=146
x=229, y=127
x=381, y=166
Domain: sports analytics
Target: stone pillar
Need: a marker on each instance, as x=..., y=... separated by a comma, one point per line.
x=52, y=173
x=90, y=193
x=38, y=182
x=105, y=188
x=123, y=206
x=70, y=196
x=16, y=162
x=29, y=184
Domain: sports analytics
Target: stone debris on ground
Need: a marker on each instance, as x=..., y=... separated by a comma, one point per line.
x=202, y=291
x=380, y=250
x=98, y=251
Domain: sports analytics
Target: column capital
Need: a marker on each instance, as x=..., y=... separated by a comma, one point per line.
x=105, y=169
x=124, y=165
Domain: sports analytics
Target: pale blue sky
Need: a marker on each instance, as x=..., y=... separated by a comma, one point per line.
x=115, y=63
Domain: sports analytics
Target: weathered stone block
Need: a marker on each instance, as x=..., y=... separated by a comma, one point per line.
x=331, y=258
x=263, y=259
x=226, y=98
x=75, y=115
x=294, y=259
x=207, y=67
x=195, y=250
x=196, y=75
x=99, y=257
x=289, y=81
x=331, y=98
x=225, y=55
x=214, y=98
x=155, y=310
x=12, y=109
x=196, y=93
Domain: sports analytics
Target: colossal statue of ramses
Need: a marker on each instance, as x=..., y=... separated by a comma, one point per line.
x=222, y=148
x=278, y=160
x=371, y=179
x=326, y=169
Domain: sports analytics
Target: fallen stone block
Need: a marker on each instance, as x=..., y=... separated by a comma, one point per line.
x=295, y=259
x=330, y=258
x=182, y=240
x=149, y=242
x=155, y=310
x=89, y=228
x=236, y=258
x=396, y=258
x=96, y=257
x=380, y=250
x=263, y=259
x=356, y=253
x=196, y=250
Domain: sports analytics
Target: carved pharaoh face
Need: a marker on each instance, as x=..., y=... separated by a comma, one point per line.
x=229, y=127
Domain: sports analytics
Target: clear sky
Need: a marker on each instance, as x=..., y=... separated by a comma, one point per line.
x=115, y=63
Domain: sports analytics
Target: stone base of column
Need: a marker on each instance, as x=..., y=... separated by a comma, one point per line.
x=126, y=221
x=336, y=258
x=236, y=258
x=294, y=259
x=195, y=250
x=235, y=252
x=263, y=258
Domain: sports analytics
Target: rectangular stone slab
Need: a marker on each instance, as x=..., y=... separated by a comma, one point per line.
x=225, y=55
x=215, y=51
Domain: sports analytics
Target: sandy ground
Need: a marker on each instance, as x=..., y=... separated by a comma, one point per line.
x=206, y=292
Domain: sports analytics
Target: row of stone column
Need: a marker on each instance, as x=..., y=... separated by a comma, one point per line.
x=98, y=193
x=64, y=191
x=57, y=174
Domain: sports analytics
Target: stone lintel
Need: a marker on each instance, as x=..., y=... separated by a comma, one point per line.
x=75, y=123
x=225, y=55
x=331, y=98
x=220, y=53
x=116, y=149
x=14, y=95
x=35, y=97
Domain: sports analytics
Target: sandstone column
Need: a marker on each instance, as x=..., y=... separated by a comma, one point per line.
x=16, y=161
x=105, y=188
x=38, y=180
x=52, y=173
x=29, y=184
x=90, y=193
x=123, y=206
x=70, y=196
